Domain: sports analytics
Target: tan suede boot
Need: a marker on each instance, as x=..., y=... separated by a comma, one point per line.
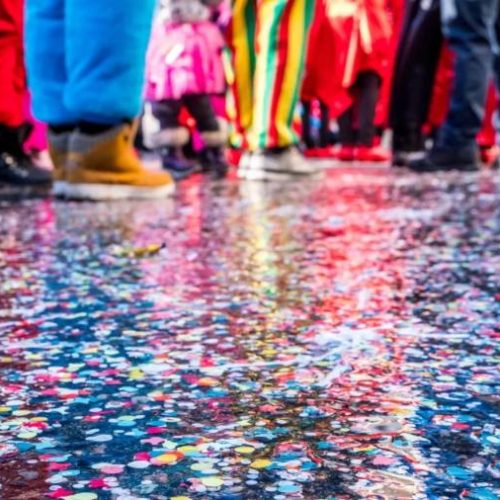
x=106, y=167
x=58, y=150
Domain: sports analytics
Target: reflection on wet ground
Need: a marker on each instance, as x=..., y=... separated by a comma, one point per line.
x=320, y=340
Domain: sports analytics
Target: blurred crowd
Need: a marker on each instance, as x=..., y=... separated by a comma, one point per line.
x=88, y=89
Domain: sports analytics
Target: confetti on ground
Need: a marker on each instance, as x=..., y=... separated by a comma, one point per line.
x=332, y=340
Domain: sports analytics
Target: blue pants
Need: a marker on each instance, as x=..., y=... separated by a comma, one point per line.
x=86, y=58
x=469, y=25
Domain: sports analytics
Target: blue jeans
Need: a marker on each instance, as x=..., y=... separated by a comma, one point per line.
x=469, y=26
x=86, y=58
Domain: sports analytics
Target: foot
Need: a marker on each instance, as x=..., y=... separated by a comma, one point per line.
x=105, y=166
x=346, y=153
x=444, y=160
x=371, y=154
x=283, y=164
x=404, y=158
x=320, y=152
x=16, y=167
x=18, y=170
x=175, y=164
x=213, y=162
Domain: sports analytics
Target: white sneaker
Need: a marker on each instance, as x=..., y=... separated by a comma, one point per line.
x=285, y=165
x=244, y=164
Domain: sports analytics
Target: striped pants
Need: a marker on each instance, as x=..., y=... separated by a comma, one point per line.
x=268, y=41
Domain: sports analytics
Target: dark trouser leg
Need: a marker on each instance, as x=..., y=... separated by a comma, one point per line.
x=307, y=138
x=324, y=128
x=171, y=134
x=167, y=112
x=347, y=134
x=368, y=93
x=470, y=32
x=201, y=109
x=416, y=63
x=212, y=157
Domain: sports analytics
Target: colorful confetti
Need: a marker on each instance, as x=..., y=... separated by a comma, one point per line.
x=332, y=340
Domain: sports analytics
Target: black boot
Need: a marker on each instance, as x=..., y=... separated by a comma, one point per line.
x=407, y=146
x=212, y=161
x=16, y=167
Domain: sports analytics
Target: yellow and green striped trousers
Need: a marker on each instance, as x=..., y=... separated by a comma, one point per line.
x=268, y=42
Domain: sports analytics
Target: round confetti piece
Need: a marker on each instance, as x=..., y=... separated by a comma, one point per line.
x=139, y=464
x=244, y=450
x=111, y=469
x=167, y=459
x=27, y=435
x=100, y=438
x=212, y=482
x=261, y=463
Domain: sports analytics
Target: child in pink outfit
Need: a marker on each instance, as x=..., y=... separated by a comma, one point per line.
x=185, y=69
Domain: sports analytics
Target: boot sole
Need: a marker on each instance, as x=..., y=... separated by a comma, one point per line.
x=59, y=189
x=104, y=192
x=267, y=175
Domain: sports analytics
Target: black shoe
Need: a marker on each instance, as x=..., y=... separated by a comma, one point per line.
x=445, y=160
x=176, y=164
x=16, y=167
x=212, y=161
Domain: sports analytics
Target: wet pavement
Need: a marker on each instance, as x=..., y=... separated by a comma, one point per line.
x=319, y=340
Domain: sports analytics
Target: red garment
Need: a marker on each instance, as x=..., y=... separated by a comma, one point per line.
x=441, y=92
x=348, y=37
x=12, y=72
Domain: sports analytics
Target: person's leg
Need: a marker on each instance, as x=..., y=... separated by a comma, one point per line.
x=281, y=40
x=214, y=138
x=170, y=138
x=324, y=127
x=241, y=41
x=307, y=137
x=16, y=166
x=469, y=30
x=417, y=59
x=282, y=37
x=12, y=77
x=347, y=134
x=45, y=59
x=106, y=46
x=368, y=93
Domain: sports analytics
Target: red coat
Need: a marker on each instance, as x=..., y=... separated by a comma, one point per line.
x=347, y=37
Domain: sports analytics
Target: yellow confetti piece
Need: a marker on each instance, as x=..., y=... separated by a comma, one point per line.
x=212, y=482
x=167, y=459
x=180, y=498
x=136, y=374
x=261, y=463
x=244, y=450
x=4, y=409
x=82, y=496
